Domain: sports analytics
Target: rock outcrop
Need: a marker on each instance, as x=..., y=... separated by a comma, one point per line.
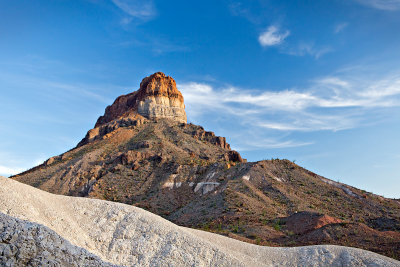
x=23, y=243
x=157, y=97
x=303, y=222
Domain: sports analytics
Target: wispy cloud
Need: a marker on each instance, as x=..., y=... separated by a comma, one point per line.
x=141, y=9
x=6, y=171
x=272, y=36
x=330, y=103
x=78, y=89
x=52, y=88
x=12, y=164
x=160, y=46
x=270, y=143
x=340, y=27
x=157, y=44
x=240, y=10
x=307, y=48
x=390, y=5
x=311, y=121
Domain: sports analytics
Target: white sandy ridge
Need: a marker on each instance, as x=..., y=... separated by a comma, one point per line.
x=39, y=228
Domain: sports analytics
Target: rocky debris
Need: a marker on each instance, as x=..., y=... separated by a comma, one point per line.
x=140, y=144
x=131, y=158
x=350, y=233
x=344, y=187
x=152, y=150
x=129, y=236
x=200, y=134
x=207, y=136
x=205, y=187
x=303, y=222
x=106, y=130
x=385, y=224
x=234, y=156
x=52, y=160
x=23, y=243
x=157, y=97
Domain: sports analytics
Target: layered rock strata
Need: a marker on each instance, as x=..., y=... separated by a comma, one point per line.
x=157, y=97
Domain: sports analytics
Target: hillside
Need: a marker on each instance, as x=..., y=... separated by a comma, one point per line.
x=143, y=153
x=42, y=229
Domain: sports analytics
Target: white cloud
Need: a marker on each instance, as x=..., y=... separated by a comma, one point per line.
x=270, y=144
x=158, y=45
x=6, y=171
x=126, y=20
x=340, y=27
x=309, y=121
x=142, y=9
x=272, y=36
x=383, y=88
x=204, y=94
x=305, y=48
x=74, y=89
x=14, y=163
x=331, y=103
x=238, y=9
x=390, y=5
x=333, y=81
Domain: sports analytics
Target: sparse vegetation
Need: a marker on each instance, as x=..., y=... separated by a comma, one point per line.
x=246, y=209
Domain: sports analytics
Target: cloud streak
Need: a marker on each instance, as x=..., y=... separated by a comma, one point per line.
x=340, y=27
x=330, y=103
x=304, y=48
x=272, y=36
x=6, y=171
x=389, y=5
x=270, y=144
x=13, y=164
x=141, y=9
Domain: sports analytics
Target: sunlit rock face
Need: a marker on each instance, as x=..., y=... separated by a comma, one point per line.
x=157, y=97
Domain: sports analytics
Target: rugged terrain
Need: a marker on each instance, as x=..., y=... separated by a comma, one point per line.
x=143, y=153
x=41, y=229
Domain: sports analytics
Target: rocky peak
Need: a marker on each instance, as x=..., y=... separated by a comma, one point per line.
x=157, y=97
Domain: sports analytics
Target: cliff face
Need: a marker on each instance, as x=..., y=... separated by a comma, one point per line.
x=157, y=97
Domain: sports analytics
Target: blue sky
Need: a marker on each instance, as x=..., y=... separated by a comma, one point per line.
x=317, y=82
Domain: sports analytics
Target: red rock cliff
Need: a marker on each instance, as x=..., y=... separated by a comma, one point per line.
x=157, y=97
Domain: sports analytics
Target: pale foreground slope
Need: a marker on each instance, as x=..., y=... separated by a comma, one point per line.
x=39, y=228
